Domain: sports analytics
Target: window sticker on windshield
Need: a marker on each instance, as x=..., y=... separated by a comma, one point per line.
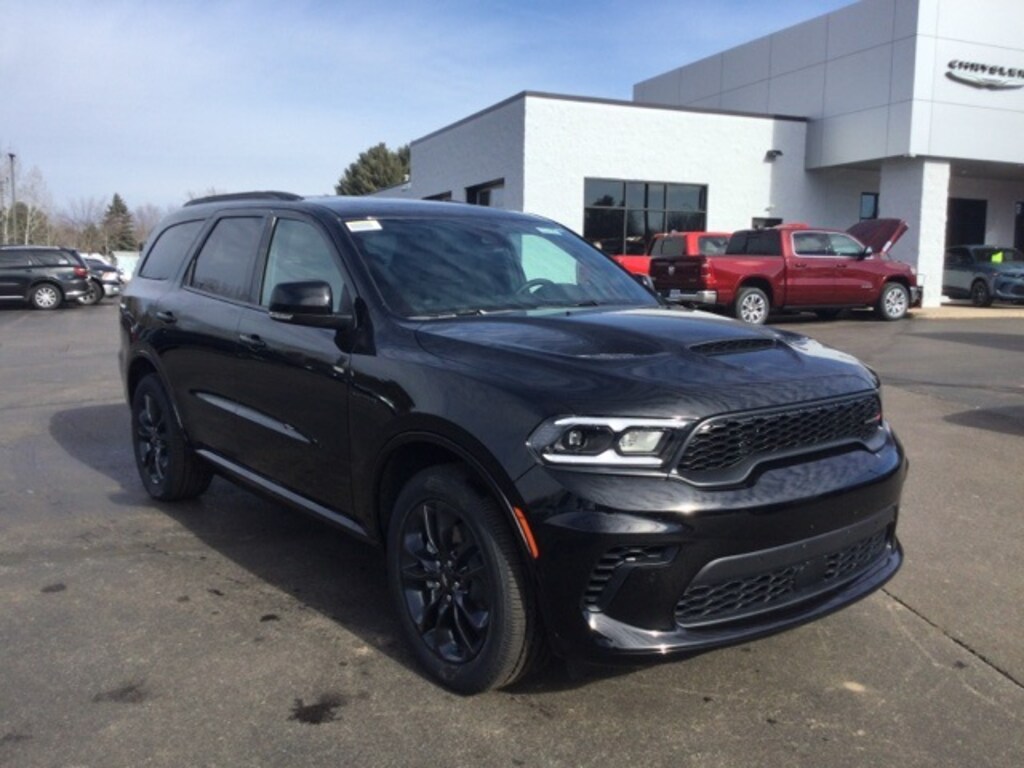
x=549, y=230
x=366, y=225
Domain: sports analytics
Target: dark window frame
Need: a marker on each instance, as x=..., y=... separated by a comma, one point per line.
x=623, y=215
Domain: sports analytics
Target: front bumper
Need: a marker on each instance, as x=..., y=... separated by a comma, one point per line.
x=654, y=567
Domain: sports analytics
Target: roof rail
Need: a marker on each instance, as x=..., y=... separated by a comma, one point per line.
x=264, y=195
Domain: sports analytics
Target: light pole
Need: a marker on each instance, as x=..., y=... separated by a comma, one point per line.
x=14, y=202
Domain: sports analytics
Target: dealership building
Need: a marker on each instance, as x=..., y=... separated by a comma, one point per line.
x=894, y=108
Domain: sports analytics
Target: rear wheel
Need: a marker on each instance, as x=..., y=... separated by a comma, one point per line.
x=752, y=305
x=458, y=581
x=45, y=296
x=169, y=468
x=981, y=296
x=894, y=302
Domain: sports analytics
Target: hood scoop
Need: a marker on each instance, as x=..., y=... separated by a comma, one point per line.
x=732, y=346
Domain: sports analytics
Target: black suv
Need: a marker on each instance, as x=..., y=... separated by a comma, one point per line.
x=549, y=456
x=43, y=276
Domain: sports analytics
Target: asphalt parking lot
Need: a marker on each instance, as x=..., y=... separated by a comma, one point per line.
x=233, y=632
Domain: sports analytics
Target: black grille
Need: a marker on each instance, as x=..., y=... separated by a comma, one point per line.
x=732, y=346
x=736, y=598
x=725, y=441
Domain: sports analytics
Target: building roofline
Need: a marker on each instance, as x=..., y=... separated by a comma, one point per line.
x=523, y=95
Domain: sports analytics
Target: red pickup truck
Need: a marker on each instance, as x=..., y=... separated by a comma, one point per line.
x=795, y=267
x=674, y=245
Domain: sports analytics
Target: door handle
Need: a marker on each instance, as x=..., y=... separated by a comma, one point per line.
x=840, y=266
x=167, y=317
x=800, y=265
x=252, y=340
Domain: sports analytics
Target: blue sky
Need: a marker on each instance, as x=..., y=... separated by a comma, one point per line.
x=156, y=100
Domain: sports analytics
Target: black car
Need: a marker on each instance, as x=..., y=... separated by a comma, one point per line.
x=43, y=276
x=104, y=280
x=548, y=455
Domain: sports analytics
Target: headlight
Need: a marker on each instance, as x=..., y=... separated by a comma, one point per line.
x=607, y=442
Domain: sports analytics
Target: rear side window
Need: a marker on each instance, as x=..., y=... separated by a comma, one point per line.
x=169, y=250
x=225, y=263
x=756, y=242
x=712, y=245
x=52, y=258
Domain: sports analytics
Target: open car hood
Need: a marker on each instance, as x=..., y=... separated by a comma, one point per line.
x=878, y=234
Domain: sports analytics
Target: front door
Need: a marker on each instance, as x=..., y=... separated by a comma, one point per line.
x=294, y=381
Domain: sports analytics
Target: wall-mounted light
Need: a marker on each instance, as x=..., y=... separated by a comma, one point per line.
x=771, y=154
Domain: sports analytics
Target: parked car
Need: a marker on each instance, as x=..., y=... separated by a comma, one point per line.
x=547, y=454
x=983, y=273
x=794, y=267
x=676, y=245
x=45, y=277
x=104, y=281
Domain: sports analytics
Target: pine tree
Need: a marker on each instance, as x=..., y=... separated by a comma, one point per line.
x=376, y=168
x=119, y=227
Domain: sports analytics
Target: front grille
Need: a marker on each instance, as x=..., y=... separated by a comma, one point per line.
x=727, y=441
x=736, y=598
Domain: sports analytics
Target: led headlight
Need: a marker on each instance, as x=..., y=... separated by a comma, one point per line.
x=608, y=442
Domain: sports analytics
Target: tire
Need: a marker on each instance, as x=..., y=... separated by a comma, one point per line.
x=45, y=296
x=170, y=470
x=893, y=302
x=459, y=585
x=752, y=306
x=981, y=296
x=94, y=295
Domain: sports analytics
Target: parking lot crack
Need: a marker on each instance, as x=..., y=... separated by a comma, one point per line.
x=957, y=641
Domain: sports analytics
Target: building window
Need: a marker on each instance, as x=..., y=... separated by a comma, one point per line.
x=491, y=194
x=868, y=205
x=624, y=216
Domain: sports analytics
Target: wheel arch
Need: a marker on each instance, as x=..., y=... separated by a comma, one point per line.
x=760, y=282
x=413, y=451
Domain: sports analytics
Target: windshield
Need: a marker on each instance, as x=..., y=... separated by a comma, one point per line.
x=431, y=267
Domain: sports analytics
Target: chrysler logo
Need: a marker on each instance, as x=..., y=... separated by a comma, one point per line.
x=989, y=76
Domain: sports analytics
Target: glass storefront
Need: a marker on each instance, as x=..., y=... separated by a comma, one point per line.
x=623, y=216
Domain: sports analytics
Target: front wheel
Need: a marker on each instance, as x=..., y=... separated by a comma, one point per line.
x=93, y=294
x=169, y=468
x=894, y=302
x=752, y=305
x=458, y=582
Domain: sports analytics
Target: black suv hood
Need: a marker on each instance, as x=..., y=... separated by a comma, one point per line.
x=644, y=362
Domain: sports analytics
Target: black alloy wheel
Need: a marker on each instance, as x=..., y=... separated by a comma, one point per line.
x=459, y=585
x=169, y=469
x=980, y=294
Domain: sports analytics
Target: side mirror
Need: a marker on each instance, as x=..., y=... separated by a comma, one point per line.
x=306, y=303
x=866, y=252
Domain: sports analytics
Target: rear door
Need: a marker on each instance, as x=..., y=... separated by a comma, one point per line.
x=198, y=336
x=957, y=272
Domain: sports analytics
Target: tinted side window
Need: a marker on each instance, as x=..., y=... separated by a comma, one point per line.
x=12, y=259
x=169, y=250
x=51, y=258
x=737, y=243
x=298, y=252
x=225, y=262
x=843, y=245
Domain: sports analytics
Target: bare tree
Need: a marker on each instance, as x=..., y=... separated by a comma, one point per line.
x=146, y=218
x=82, y=222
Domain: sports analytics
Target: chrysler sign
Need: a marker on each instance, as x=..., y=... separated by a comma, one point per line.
x=988, y=76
